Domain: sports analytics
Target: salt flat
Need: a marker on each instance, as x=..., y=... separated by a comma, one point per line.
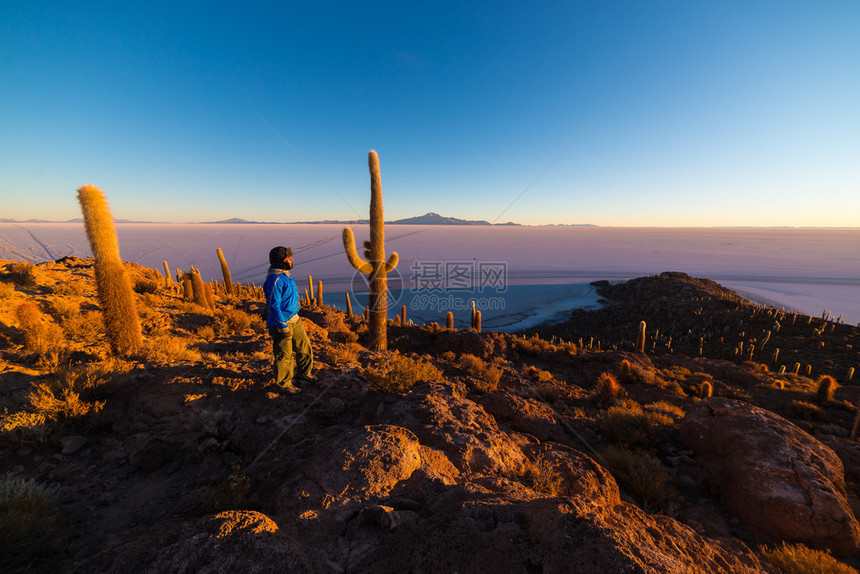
x=804, y=269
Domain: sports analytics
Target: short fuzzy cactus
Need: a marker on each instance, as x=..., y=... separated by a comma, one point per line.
x=376, y=267
x=826, y=386
x=449, y=321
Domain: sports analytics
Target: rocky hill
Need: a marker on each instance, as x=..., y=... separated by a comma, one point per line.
x=454, y=451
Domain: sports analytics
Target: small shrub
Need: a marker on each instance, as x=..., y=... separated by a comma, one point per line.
x=25, y=427
x=666, y=408
x=145, y=285
x=548, y=391
x=170, y=350
x=628, y=425
x=641, y=475
x=400, y=373
x=60, y=403
x=343, y=355
x=448, y=356
x=231, y=321
x=543, y=477
x=22, y=273
x=484, y=378
x=799, y=559
x=70, y=289
x=533, y=346
x=206, y=332
x=86, y=326
x=27, y=520
x=7, y=290
x=536, y=374
x=40, y=336
x=805, y=410
x=64, y=307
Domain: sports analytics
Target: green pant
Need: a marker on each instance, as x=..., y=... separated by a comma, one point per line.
x=284, y=342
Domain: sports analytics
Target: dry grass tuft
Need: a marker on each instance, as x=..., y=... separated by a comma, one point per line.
x=231, y=321
x=27, y=520
x=806, y=411
x=343, y=354
x=399, y=373
x=40, y=335
x=21, y=273
x=166, y=349
x=799, y=559
x=25, y=427
x=641, y=475
x=483, y=377
x=628, y=425
x=543, y=477
x=7, y=291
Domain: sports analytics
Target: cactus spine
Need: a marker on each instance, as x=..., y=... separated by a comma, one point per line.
x=225, y=271
x=119, y=309
x=377, y=268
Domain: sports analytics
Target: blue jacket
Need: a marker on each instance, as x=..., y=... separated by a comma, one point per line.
x=282, y=298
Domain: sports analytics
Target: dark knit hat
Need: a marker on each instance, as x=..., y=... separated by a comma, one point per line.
x=278, y=254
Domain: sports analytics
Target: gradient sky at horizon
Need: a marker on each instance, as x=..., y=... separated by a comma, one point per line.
x=611, y=113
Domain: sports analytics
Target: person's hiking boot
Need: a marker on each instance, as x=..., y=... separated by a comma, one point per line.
x=290, y=389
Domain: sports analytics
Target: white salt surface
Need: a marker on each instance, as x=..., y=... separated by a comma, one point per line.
x=803, y=269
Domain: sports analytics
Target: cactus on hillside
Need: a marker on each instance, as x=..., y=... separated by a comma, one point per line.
x=826, y=386
x=348, y=305
x=168, y=280
x=449, y=321
x=198, y=292
x=119, y=308
x=225, y=271
x=376, y=268
x=640, y=338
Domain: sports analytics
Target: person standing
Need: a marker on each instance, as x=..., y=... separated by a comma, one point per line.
x=289, y=338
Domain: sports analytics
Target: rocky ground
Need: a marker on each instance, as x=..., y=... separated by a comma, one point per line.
x=453, y=451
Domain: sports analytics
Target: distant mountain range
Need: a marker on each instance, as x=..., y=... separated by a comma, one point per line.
x=426, y=219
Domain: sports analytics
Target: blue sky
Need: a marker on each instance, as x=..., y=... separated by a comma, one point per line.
x=612, y=113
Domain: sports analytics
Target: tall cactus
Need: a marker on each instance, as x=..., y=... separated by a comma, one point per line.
x=119, y=308
x=377, y=268
x=225, y=271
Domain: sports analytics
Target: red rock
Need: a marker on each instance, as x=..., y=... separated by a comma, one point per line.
x=774, y=477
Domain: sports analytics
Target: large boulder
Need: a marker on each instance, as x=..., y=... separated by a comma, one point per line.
x=470, y=530
x=356, y=466
x=231, y=541
x=458, y=427
x=774, y=477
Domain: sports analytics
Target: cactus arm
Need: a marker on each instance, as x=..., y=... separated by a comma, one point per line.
x=393, y=259
x=354, y=260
